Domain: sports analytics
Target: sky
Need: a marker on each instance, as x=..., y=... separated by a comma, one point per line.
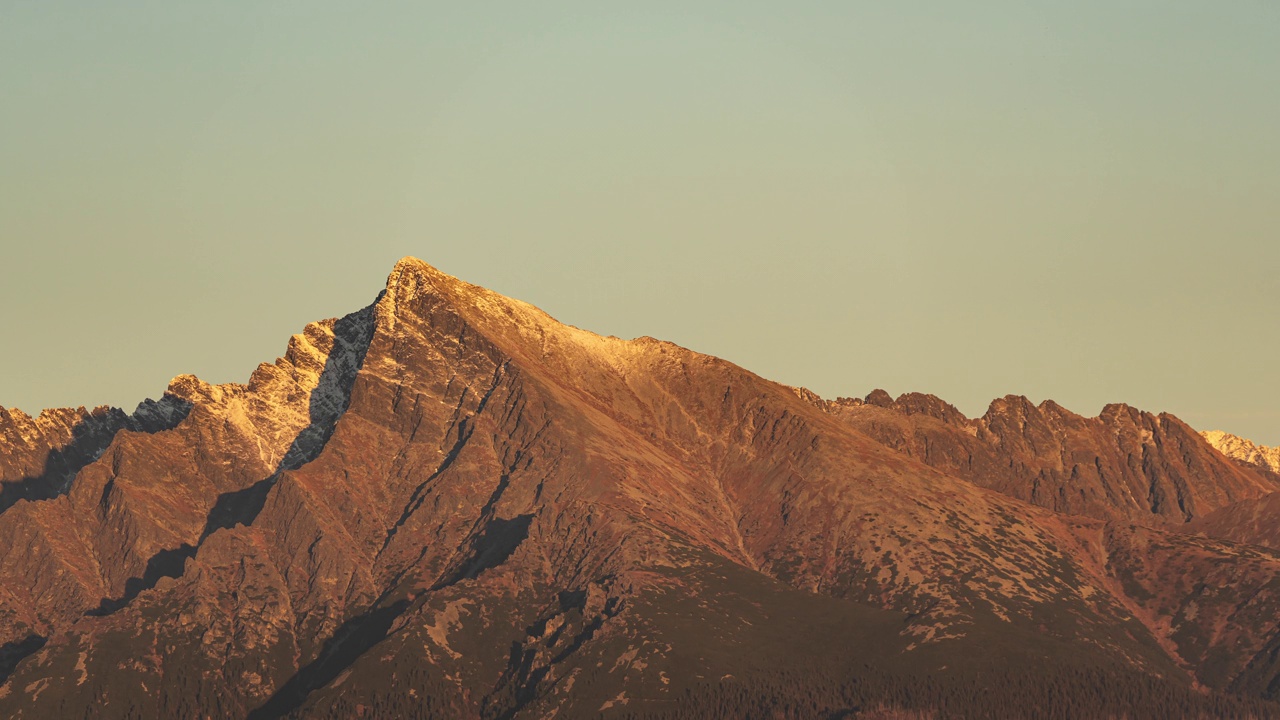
x=1068, y=200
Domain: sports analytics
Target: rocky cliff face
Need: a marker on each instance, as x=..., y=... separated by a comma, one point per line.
x=450, y=505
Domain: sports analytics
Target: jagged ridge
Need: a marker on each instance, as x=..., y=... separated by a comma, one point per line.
x=1244, y=450
x=1124, y=464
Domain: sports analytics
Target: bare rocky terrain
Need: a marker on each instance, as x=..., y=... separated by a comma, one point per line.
x=449, y=505
x=1244, y=450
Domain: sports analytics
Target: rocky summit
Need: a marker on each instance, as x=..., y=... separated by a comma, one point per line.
x=449, y=505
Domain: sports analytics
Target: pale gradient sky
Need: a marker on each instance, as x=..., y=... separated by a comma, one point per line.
x=1068, y=200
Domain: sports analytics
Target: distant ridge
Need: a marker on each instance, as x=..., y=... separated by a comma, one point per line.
x=1124, y=464
x=1244, y=450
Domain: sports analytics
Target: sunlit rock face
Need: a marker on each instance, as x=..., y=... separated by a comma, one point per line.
x=1244, y=450
x=450, y=505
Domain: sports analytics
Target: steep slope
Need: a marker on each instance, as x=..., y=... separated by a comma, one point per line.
x=1254, y=522
x=1124, y=464
x=450, y=505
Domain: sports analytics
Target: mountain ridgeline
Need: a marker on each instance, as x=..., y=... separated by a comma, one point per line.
x=449, y=505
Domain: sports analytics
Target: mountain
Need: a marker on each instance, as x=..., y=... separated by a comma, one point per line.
x=1244, y=450
x=1124, y=464
x=447, y=504
x=1254, y=521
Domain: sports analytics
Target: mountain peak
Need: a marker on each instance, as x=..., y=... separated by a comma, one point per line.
x=412, y=279
x=409, y=261
x=409, y=266
x=879, y=397
x=423, y=296
x=1243, y=449
x=410, y=276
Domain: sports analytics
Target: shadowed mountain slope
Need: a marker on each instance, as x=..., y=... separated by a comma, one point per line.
x=450, y=505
